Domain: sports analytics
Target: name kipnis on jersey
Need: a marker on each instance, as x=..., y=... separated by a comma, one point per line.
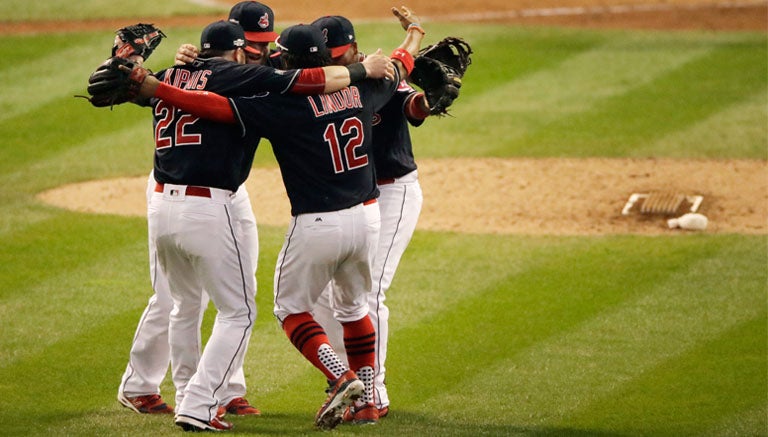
x=187, y=80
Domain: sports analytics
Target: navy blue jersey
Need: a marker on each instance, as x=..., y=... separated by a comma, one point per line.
x=322, y=143
x=392, y=149
x=193, y=151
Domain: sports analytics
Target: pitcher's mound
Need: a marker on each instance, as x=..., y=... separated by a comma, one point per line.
x=512, y=196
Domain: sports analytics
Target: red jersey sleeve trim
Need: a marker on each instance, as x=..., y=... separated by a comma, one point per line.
x=414, y=108
x=311, y=81
x=199, y=103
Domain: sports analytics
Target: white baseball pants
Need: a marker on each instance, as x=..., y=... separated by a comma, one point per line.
x=400, y=205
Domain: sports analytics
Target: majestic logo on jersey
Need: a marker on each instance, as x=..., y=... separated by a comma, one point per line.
x=264, y=21
x=347, y=98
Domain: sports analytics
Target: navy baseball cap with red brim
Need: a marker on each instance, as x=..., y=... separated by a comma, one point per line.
x=338, y=32
x=256, y=19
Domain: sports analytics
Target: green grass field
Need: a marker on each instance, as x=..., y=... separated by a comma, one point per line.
x=492, y=334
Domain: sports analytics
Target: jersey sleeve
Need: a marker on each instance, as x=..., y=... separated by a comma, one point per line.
x=412, y=110
x=250, y=79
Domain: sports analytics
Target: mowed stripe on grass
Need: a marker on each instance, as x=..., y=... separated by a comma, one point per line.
x=544, y=352
x=615, y=96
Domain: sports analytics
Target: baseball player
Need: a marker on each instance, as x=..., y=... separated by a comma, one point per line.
x=399, y=203
x=199, y=166
x=150, y=352
x=258, y=22
x=328, y=175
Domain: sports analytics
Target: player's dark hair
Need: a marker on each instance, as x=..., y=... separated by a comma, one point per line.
x=306, y=60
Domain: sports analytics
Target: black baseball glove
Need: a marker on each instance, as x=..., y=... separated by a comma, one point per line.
x=138, y=39
x=116, y=81
x=438, y=70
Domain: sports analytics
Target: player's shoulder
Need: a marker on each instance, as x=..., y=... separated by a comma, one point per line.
x=212, y=64
x=380, y=86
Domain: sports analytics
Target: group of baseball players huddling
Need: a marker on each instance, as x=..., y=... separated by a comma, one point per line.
x=338, y=123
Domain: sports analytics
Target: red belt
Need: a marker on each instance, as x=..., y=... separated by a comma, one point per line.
x=385, y=181
x=191, y=190
x=370, y=201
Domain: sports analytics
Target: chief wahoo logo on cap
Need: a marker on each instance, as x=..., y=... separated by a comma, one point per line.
x=264, y=21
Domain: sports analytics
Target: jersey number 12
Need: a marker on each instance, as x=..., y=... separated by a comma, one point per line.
x=344, y=156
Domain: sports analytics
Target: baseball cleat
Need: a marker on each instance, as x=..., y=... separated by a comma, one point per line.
x=147, y=404
x=365, y=414
x=341, y=394
x=241, y=407
x=188, y=423
x=383, y=411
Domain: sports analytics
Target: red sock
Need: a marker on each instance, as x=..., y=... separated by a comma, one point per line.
x=360, y=343
x=311, y=340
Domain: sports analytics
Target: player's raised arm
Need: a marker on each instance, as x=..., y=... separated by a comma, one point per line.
x=414, y=33
x=378, y=66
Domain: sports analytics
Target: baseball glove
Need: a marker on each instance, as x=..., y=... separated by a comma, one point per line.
x=116, y=81
x=438, y=70
x=138, y=39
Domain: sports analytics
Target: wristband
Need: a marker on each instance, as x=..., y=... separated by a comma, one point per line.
x=415, y=26
x=356, y=72
x=405, y=58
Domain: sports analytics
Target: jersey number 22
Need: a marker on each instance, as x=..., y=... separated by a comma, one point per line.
x=165, y=135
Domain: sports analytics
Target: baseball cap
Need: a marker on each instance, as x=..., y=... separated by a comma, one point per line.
x=222, y=35
x=301, y=39
x=257, y=20
x=338, y=32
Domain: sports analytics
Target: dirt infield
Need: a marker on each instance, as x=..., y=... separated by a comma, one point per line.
x=518, y=196
x=513, y=196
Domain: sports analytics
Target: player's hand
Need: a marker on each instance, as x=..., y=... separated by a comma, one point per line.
x=378, y=66
x=186, y=54
x=406, y=17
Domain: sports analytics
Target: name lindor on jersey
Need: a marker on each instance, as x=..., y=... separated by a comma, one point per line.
x=346, y=98
x=187, y=80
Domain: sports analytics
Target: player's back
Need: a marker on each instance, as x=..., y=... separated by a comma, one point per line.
x=322, y=143
x=193, y=151
x=190, y=150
